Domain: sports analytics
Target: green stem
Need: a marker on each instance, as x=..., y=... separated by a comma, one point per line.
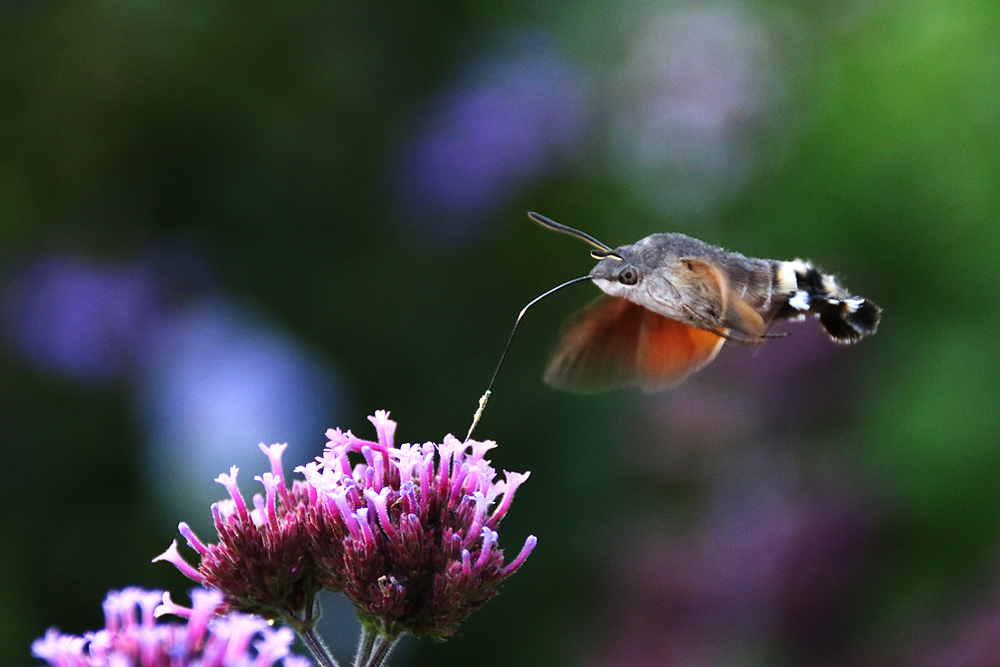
x=365, y=645
x=382, y=650
x=305, y=630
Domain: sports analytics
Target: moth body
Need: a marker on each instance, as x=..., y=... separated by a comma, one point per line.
x=671, y=301
x=708, y=287
x=686, y=280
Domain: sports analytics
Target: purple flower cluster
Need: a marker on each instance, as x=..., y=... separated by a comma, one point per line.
x=262, y=561
x=132, y=636
x=518, y=110
x=407, y=533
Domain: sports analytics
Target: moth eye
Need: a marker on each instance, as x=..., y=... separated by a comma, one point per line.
x=628, y=276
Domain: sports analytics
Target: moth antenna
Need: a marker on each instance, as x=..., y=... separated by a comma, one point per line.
x=605, y=250
x=489, y=388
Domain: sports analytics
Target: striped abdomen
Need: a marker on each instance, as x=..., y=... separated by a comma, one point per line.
x=801, y=289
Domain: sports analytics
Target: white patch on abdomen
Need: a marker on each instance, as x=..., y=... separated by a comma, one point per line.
x=800, y=301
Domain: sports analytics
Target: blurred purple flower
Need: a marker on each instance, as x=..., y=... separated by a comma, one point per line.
x=960, y=633
x=214, y=377
x=408, y=534
x=132, y=636
x=698, y=108
x=766, y=568
x=209, y=375
x=508, y=120
x=78, y=316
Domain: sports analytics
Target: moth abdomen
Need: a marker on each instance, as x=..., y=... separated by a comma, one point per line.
x=850, y=320
x=807, y=290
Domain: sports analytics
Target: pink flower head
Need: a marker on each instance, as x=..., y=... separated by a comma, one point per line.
x=409, y=533
x=262, y=560
x=133, y=636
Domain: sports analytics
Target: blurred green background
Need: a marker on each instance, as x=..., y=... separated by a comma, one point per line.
x=224, y=223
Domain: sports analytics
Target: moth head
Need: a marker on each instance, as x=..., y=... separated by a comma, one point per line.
x=616, y=273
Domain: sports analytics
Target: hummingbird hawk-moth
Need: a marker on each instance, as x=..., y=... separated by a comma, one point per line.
x=670, y=302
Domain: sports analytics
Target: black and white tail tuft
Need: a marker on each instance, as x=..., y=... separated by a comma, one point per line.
x=846, y=318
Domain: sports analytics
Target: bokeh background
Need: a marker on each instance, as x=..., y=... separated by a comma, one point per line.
x=225, y=223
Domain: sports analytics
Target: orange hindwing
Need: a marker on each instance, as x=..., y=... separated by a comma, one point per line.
x=614, y=342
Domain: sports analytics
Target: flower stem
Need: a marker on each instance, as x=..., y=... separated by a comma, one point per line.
x=373, y=648
x=306, y=631
x=317, y=648
x=382, y=650
x=365, y=645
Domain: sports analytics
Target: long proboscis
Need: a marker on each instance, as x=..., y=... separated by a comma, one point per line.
x=489, y=388
x=605, y=250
